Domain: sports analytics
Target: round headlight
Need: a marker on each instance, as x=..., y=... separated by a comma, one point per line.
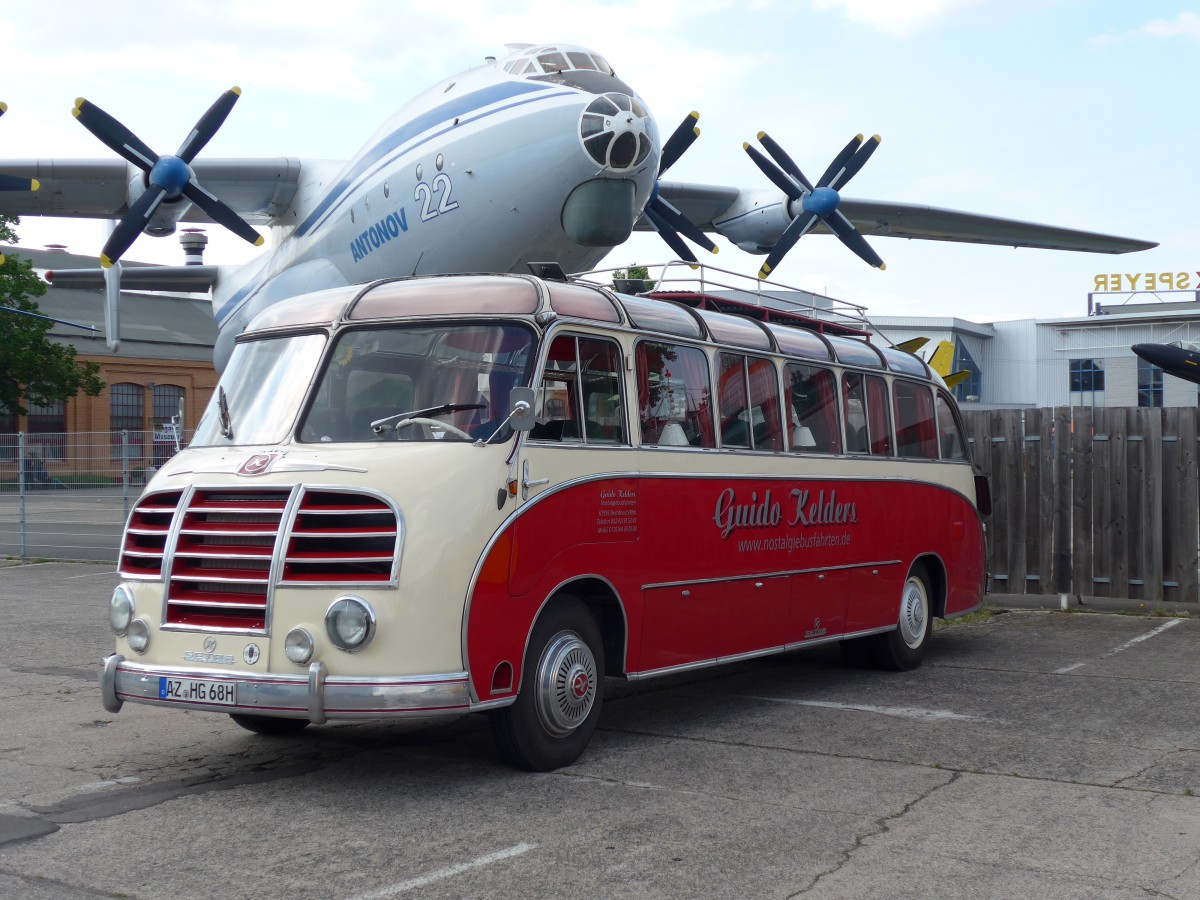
x=298, y=645
x=138, y=635
x=350, y=623
x=120, y=609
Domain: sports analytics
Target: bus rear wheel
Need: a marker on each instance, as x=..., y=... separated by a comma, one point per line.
x=904, y=646
x=562, y=689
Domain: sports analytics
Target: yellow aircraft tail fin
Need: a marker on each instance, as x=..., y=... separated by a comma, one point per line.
x=942, y=359
x=913, y=344
x=956, y=378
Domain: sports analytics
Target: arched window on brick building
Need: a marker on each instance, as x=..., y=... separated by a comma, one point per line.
x=127, y=412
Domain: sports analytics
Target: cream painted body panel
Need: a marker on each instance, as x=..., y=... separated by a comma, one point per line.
x=446, y=494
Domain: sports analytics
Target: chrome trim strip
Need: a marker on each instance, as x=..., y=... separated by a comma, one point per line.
x=283, y=537
x=172, y=542
x=108, y=682
x=297, y=696
x=476, y=706
x=867, y=632
x=316, y=693
x=753, y=654
x=780, y=574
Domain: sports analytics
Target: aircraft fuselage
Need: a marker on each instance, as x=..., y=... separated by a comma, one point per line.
x=481, y=148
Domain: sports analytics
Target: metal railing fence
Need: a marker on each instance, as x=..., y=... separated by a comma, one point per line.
x=67, y=495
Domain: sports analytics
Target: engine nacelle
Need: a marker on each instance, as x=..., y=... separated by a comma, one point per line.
x=755, y=220
x=164, y=220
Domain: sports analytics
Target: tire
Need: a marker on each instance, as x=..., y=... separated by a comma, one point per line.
x=271, y=726
x=904, y=647
x=562, y=690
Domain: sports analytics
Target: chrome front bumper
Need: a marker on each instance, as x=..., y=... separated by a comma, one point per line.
x=314, y=696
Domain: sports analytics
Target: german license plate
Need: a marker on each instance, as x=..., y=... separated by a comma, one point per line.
x=195, y=690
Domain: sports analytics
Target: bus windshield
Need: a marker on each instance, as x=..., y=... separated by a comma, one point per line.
x=260, y=391
x=419, y=383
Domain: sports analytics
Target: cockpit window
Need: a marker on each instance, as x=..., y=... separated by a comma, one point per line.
x=553, y=62
x=574, y=66
x=581, y=60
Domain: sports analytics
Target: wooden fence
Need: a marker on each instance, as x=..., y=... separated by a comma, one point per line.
x=1091, y=502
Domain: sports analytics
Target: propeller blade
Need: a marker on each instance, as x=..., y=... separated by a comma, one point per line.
x=800, y=226
x=667, y=233
x=13, y=183
x=785, y=162
x=221, y=213
x=131, y=225
x=844, y=229
x=114, y=135
x=682, y=138
x=856, y=162
x=680, y=223
x=776, y=174
x=840, y=160
x=208, y=124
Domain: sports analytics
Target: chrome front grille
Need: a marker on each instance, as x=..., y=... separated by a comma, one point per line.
x=221, y=550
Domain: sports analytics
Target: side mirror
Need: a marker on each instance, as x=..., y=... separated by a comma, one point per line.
x=520, y=408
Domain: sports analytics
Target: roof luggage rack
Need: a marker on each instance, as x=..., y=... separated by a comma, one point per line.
x=707, y=287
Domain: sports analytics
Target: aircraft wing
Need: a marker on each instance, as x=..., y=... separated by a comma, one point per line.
x=706, y=205
x=257, y=189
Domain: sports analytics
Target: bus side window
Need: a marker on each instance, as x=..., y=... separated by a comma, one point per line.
x=950, y=438
x=579, y=398
x=733, y=407
x=749, y=403
x=812, y=399
x=555, y=406
x=915, y=427
x=604, y=413
x=764, y=404
x=879, y=428
x=854, y=398
x=674, y=406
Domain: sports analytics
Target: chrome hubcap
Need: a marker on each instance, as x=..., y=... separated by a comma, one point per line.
x=914, y=613
x=565, y=687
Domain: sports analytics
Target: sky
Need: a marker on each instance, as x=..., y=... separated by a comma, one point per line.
x=1077, y=113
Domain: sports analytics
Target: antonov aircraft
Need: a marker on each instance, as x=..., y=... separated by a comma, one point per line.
x=544, y=155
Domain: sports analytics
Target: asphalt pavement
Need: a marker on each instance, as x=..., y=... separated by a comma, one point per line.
x=1036, y=753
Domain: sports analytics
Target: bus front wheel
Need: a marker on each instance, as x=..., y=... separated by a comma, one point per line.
x=904, y=646
x=562, y=688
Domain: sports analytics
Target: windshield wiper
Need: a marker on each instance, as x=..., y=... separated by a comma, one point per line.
x=223, y=409
x=379, y=425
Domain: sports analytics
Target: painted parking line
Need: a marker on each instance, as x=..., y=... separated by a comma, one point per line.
x=423, y=880
x=902, y=712
x=1170, y=623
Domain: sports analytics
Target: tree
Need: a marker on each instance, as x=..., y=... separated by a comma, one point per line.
x=33, y=369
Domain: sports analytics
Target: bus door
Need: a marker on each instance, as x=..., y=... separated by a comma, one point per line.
x=577, y=439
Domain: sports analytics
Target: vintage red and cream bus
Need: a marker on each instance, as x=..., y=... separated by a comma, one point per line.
x=488, y=493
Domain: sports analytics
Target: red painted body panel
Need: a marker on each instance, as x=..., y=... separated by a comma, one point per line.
x=707, y=567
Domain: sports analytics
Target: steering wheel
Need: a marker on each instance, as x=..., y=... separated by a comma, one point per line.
x=421, y=420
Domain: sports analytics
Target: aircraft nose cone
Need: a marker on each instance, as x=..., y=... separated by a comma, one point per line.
x=1151, y=353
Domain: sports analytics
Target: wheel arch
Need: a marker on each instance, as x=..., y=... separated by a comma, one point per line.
x=935, y=571
x=602, y=600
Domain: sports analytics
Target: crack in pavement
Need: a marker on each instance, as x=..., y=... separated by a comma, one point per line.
x=882, y=826
x=90, y=807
